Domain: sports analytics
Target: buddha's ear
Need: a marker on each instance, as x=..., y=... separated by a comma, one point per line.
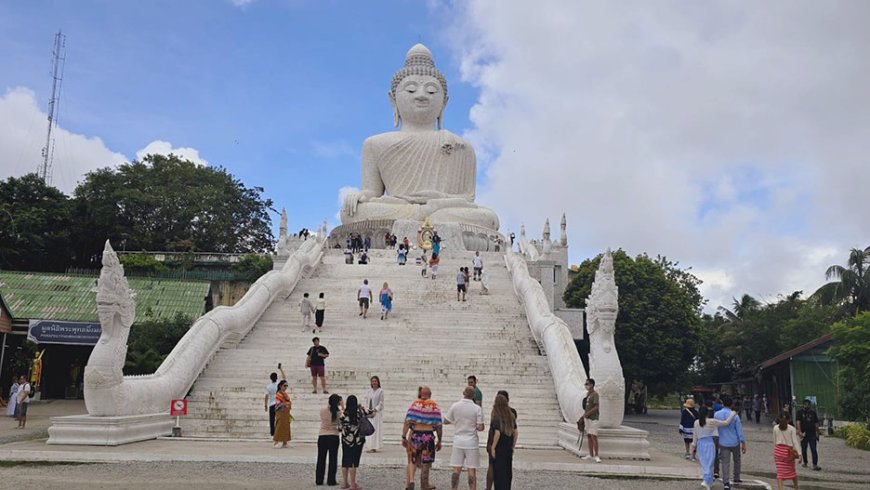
x=396, y=118
x=442, y=112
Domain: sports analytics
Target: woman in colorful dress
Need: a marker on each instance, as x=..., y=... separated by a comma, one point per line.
x=375, y=403
x=385, y=296
x=283, y=405
x=786, y=449
x=352, y=441
x=702, y=442
x=687, y=423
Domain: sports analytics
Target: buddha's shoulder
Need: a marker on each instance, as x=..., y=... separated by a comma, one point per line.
x=387, y=139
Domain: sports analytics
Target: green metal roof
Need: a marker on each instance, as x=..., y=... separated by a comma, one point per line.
x=47, y=296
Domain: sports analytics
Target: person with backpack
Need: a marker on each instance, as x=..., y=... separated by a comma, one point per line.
x=25, y=392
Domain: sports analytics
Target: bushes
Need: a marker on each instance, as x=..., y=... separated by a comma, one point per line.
x=252, y=266
x=142, y=264
x=151, y=341
x=855, y=435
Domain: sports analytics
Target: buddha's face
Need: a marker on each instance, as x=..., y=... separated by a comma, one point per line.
x=419, y=99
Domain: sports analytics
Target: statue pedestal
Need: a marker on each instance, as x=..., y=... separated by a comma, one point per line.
x=108, y=431
x=454, y=236
x=613, y=443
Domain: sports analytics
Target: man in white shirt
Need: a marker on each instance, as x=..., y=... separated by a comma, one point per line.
x=468, y=419
x=477, y=263
x=364, y=296
x=23, y=401
x=269, y=398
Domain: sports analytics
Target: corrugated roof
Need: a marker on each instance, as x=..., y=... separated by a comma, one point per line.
x=47, y=296
x=797, y=350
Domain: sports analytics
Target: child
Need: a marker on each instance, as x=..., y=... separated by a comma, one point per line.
x=424, y=263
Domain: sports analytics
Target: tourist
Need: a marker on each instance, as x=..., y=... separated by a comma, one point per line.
x=406, y=243
x=512, y=240
x=808, y=431
x=716, y=406
x=316, y=362
x=703, y=445
x=328, y=441
x=348, y=256
x=319, y=311
x=436, y=244
x=477, y=263
x=12, y=406
x=460, y=285
x=385, y=296
x=433, y=264
x=306, y=308
x=367, y=242
x=504, y=443
x=484, y=283
x=489, y=437
x=269, y=398
x=478, y=395
x=352, y=441
x=467, y=276
x=387, y=241
x=591, y=414
x=424, y=264
x=687, y=424
x=24, y=390
x=374, y=400
x=393, y=241
x=363, y=258
x=785, y=450
x=283, y=405
x=747, y=407
x=756, y=407
x=730, y=437
x=401, y=255
x=364, y=296
x=467, y=416
x=423, y=419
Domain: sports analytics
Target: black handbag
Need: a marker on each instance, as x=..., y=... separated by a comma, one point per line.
x=366, y=427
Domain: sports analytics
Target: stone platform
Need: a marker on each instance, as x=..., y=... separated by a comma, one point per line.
x=458, y=236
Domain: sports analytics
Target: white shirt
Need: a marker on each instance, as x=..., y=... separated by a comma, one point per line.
x=477, y=261
x=465, y=415
x=364, y=291
x=271, y=390
x=24, y=393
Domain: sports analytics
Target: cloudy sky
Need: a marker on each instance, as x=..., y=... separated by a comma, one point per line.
x=730, y=136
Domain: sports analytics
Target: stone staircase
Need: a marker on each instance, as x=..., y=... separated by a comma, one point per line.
x=430, y=339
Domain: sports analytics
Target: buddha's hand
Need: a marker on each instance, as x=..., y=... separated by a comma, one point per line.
x=351, y=200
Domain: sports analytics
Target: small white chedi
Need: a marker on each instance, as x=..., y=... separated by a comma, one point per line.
x=420, y=171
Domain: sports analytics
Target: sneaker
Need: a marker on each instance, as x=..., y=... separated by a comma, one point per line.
x=586, y=458
x=737, y=482
x=726, y=486
x=688, y=456
x=804, y=465
x=597, y=459
x=693, y=459
x=817, y=468
x=715, y=476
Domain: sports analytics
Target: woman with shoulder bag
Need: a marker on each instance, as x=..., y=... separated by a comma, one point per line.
x=283, y=405
x=328, y=441
x=687, y=425
x=352, y=441
x=786, y=449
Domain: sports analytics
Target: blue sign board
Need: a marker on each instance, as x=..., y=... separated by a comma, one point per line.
x=59, y=332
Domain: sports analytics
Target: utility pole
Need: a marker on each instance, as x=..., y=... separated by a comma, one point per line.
x=57, y=64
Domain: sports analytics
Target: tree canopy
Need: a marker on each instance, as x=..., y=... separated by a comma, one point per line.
x=658, y=325
x=851, y=349
x=850, y=289
x=166, y=203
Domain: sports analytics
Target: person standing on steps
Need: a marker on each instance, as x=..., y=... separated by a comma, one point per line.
x=423, y=419
x=352, y=441
x=424, y=264
x=477, y=263
x=504, y=443
x=590, y=405
x=306, y=308
x=319, y=311
x=317, y=355
x=460, y=285
x=808, y=431
x=328, y=441
x=269, y=398
x=467, y=416
x=385, y=296
x=364, y=296
x=490, y=478
x=478, y=395
x=283, y=405
x=374, y=402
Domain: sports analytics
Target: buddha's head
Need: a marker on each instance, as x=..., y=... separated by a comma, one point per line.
x=418, y=91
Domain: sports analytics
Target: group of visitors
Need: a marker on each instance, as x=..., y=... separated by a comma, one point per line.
x=350, y=424
x=19, y=400
x=365, y=297
x=356, y=243
x=714, y=434
x=319, y=310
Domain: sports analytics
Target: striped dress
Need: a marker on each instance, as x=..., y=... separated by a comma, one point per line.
x=783, y=440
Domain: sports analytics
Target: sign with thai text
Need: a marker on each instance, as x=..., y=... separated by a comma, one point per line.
x=62, y=332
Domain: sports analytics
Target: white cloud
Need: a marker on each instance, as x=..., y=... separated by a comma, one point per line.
x=342, y=193
x=160, y=147
x=732, y=139
x=22, y=136
x=241, y=3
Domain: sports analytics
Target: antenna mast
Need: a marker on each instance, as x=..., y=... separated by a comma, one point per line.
x=57, y=65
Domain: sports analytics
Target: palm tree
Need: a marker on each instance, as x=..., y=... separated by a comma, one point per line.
x=851, y=286
x=740, y=308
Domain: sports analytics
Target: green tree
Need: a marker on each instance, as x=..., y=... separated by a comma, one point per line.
x=252, y=266
x=142, y=264
x=151, y=340
x=34, y=225
x=166, y=203
x=851, y=350
x=851, y=287
x=659, y=317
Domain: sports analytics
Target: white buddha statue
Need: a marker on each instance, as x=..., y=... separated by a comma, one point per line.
x=418, y=171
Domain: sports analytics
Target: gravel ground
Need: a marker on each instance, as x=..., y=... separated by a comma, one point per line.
x=287, y=476
x=843, y=467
